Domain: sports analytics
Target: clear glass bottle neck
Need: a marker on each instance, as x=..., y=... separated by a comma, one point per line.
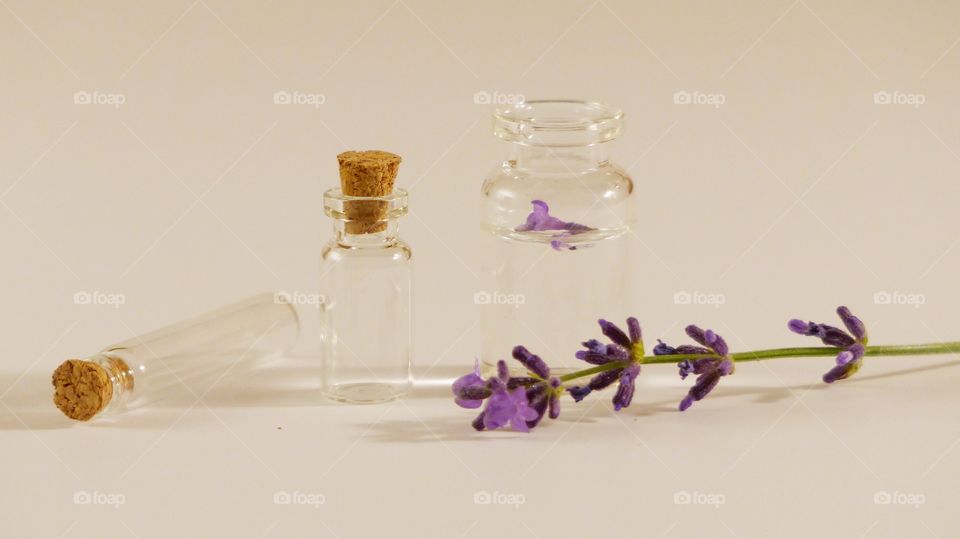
x=558, y=159
x=378, y=238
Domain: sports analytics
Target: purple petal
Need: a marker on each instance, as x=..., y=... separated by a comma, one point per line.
x=470, y=389
x=579, y=392
x=844, y=357
x=614, y=333
x=472, y=397
x=554, y=406
x=799, y=326
x=686, y=368
x=617, y=352
x=633, y=325
x=593, y=358
x=537, y=398
x=500, y=409
x=663, y=349
x=716, y=342
x=854, y=325
x=532, y=362
x=697, y=334
x=595, y=346
x=604, y=379
x=705, y=384
x=540, y=219
x=624, y=394
x=478, y=422
x=840, y=372
x=503, y=372
x=686, y=402
x=725, y=367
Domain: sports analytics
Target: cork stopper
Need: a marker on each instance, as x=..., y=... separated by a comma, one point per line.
x=368, y=173
x=81, y=388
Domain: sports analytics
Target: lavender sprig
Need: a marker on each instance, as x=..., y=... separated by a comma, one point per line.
x=521, y=401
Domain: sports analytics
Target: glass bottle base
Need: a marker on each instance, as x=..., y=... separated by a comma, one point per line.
x=366, y=392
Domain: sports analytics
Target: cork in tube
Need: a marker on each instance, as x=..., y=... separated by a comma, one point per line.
x=81, y=389
x=368, y=173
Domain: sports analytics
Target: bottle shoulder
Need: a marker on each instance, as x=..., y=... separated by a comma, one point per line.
x=610, y=181
x=607, y=180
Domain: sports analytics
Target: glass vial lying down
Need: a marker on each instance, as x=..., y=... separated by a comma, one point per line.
x=143, y=368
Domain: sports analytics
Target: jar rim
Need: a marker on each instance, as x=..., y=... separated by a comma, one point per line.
x=558, y=122
x=374, y=209
x=398, y=195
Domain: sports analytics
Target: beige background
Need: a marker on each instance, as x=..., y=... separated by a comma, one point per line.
x=798, y=193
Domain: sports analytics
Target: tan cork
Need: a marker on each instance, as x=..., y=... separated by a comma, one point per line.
x=81, y=388
x=368, y=173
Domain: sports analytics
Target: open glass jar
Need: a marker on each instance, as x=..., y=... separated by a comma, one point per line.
x=556, y=218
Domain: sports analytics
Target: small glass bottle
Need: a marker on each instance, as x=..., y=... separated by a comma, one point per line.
x=548, y=277
x=366, y=279
x=147, y=367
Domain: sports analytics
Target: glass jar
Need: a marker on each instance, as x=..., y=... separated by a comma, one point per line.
x=556, y=218
x=366, y=278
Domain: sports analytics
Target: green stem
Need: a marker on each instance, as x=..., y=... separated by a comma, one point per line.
x=774, y=353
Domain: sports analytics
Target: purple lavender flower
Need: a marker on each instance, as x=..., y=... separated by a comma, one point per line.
x=626, y=349
x=709, y=369
x=540, y=220
x=544, y=393
x=506, y=405
x=852, y=342
x=519, y=402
